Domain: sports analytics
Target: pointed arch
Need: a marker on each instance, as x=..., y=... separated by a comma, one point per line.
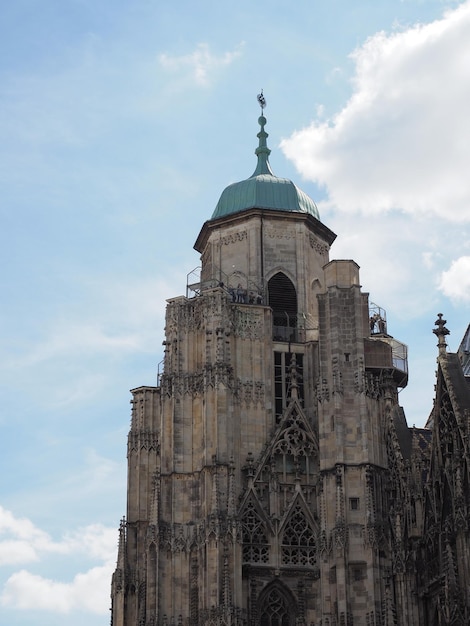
x=282, y=298
x=277, y=606
x=295, y=435
x=289, y=461
x=298, y=538
x=254, y=533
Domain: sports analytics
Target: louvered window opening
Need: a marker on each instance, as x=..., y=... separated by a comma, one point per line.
x=283, y=301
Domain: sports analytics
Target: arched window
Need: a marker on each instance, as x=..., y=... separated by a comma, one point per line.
x=276, y=608
x=255, y=542
x=283, y=301
x=298, y=541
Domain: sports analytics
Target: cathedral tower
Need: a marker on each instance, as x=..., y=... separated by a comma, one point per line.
x=259, y=468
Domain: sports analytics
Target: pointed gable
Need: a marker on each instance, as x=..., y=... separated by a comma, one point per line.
x=298, y=535
x=288, y=464
x=255, y=529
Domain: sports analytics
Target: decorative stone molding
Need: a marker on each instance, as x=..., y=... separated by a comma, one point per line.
x=338, y=387
x=373, y=385
x=359, y=377
x=277, y=233
x=222, y=615
x=152, y=534
x=248, y=323
x=317, y=245
x=143, y=440
x=250, y=392
x=324, y=545
x=193, y=314
x=196, y=383
x=340, y=535
x=232, y=238
x=176, y=538
x=322, y=391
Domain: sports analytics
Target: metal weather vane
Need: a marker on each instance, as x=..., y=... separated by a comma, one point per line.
x=262, y=101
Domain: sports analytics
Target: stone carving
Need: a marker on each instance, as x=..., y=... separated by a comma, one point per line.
x=295, y=438
x=232, y=238
x=195, y=383
x=248, y=323
x=176, y=538
x=143, y=440
x=324, y=546
x=338, y=386
x=317, y=245
x=250, y=392
x=340, y=533
x=359, y=377
x=373, y=386
x=186, y=315
x=298, y=546
x=275, y=233
x=322, y=391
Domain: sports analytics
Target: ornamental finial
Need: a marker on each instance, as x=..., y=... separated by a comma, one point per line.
x=262, y=151
x=293, y=375
x=441, y=331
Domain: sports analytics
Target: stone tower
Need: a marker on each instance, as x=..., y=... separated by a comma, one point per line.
x=260, y=480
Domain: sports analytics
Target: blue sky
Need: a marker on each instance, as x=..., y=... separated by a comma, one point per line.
x=120, y=125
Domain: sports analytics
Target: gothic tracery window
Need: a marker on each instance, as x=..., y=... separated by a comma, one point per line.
x=255, y=542
x=275, y=609
x=298, y=541
x=295, y=449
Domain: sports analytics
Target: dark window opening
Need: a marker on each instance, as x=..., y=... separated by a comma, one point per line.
x=358, y=571
x=275, y=609
x=283, y=302
x=354, y=504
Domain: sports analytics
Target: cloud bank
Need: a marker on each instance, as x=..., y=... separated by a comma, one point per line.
x=398, y=151
x=21, y=542
x=405, y=125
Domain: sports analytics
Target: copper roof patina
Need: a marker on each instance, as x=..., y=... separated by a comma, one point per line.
x=264, y=190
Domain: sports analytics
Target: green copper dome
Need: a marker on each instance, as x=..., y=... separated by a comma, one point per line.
x=263, y=190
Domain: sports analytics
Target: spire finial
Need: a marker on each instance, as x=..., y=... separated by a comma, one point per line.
x=294, y=375
x=262, y=151
x=441, y=331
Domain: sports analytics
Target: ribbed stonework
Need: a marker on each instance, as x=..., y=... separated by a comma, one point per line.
x=272, y=479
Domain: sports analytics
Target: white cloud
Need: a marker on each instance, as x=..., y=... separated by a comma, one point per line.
x=455, y=282
x=88, y=591
x=390, y=255
x=400, y=141
x=94, y=540
x=201, y=64
x=24, y=541
x=13, y=552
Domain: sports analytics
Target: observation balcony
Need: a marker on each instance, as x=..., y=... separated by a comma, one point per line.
x=285, y=328
x=382, y=351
